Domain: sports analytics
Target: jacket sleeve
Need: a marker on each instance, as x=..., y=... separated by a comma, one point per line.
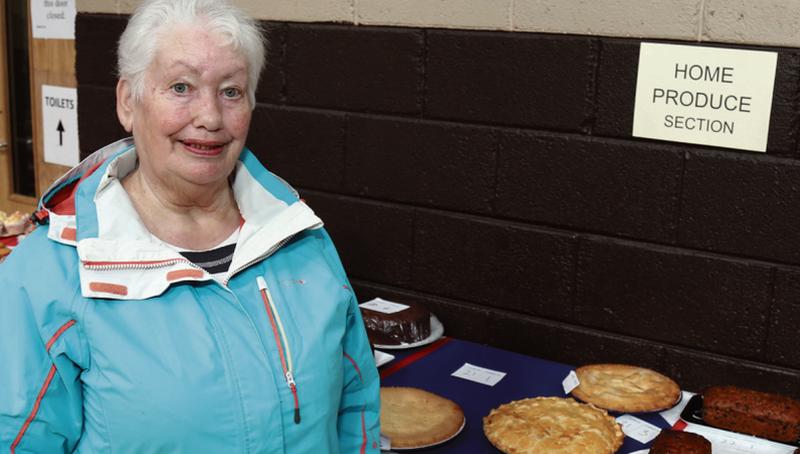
x=40, y=397
x=359, y=411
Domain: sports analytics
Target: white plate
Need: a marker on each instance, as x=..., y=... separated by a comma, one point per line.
x=463, y=423
x=382, y=358
x=437, y=330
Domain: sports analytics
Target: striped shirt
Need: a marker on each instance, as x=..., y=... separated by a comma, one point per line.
x=216, y=260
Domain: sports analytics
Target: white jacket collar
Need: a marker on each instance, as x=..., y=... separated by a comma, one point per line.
x=125, y=261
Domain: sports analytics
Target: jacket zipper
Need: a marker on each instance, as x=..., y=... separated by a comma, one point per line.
x=138, y=265
x=264, y=256
x=282, y=342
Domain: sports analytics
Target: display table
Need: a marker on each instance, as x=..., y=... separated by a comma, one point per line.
x=430, y=368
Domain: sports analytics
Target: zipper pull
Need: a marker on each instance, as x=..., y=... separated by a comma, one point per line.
x=293, y=387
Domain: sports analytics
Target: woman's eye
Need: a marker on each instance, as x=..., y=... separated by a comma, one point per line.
x=180, y=88
x=231, y=92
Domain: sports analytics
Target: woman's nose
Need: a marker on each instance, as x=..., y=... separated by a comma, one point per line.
x=207, y=112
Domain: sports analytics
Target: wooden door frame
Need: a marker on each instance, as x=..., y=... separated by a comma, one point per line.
x=51, y=62
x=9, y=201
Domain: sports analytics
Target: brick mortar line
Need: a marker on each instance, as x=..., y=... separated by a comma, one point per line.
x=773, y=280
x=681, y=193
x=701, y=20
x=560, y=230
x=423, y=108
x=512, y=27
x=510, y=129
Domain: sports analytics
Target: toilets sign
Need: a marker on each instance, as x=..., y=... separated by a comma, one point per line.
x=60, y=125
x=704, y=95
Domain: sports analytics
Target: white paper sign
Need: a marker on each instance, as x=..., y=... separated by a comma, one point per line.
x=381, y=305
x=704, y=95
x=53, y=19
x=725, y=442
x=60, y=125
x=386, y=444
x=570, y=382
x=479, y=374
x=382, y=358
x=672, y=415
x=639, y=430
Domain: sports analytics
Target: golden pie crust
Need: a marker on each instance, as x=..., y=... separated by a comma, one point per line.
x=552, y=425
x=414, y=418
x=625, y=388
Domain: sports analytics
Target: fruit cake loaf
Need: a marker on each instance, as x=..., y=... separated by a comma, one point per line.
x=752, y=412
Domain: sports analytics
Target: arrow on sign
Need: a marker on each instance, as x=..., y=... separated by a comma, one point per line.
x=60, y=129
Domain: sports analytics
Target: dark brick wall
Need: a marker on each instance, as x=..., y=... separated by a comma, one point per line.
x=492, y=176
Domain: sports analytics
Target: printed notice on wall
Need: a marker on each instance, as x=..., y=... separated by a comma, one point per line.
x=60, y=125
x=53, y=19
x=704, y=95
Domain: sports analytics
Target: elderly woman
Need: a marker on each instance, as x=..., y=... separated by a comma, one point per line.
x=181, y=298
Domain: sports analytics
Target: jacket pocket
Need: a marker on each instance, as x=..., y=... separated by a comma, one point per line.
x=282, y=342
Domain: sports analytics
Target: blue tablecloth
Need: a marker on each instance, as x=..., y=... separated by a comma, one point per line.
x=430, y=367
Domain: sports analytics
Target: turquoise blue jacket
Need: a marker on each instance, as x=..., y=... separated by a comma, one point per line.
x=110, y=341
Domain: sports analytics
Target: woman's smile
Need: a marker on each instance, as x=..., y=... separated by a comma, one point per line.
x=204, y=148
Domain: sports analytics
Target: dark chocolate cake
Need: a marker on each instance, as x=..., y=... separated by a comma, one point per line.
x=403, y=327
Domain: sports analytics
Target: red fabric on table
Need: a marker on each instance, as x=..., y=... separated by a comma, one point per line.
x=9, y=241
x=414, y=357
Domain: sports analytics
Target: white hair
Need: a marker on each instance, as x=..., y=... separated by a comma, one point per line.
x=139, y=42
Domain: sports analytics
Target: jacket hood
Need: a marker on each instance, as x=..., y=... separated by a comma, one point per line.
x=57, y=205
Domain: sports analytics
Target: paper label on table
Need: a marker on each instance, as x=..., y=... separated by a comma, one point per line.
x=570, y=382
x=672, y=415
x=479, y=374
x=724, y=442
x=382, y=358
x=383, y=306
x=386, y=444
x=641, y=431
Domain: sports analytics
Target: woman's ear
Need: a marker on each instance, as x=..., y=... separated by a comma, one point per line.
x=125, y=104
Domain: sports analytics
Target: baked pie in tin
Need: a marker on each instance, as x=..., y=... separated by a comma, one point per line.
x=552, y=425
x=625, y=389
x=415, y=418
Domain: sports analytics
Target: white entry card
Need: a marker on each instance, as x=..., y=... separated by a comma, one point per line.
x=383, y=306
x=639, y=430
x=479, y=374
x=672, y=415
x=570, y=382
x=386, y=444
x=725, y=442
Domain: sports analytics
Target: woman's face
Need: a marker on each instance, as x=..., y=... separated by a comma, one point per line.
x=192, y=122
